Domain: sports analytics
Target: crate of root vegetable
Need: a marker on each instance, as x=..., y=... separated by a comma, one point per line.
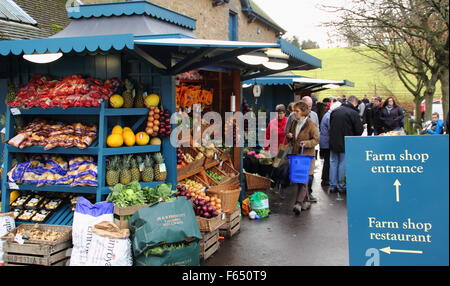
x=189, y=162
x=40, y=234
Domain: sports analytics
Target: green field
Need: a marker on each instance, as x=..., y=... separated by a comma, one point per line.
x=368, y=76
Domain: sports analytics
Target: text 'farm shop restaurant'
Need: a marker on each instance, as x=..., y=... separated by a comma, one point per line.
x=67, y=148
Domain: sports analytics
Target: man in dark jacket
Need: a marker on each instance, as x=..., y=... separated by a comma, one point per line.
x=344, y=121
x=372, y=117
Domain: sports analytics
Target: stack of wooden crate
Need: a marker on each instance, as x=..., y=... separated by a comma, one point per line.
x=232, y=224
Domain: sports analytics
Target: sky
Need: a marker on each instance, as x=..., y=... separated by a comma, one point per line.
x=303, y=18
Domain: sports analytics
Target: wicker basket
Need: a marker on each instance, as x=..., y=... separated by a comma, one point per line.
x=191, y=168
x=209, y=224
x=229, y=198
x=255, y=182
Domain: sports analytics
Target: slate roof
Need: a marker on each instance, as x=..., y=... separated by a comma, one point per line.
x=50, y=15
x=253, y=10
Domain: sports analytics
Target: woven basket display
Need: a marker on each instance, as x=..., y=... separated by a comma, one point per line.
x=229, y=198
x=255, y=182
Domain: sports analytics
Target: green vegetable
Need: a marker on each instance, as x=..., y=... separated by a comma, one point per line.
x=259, y=202
x=216, y=177
x=162, y=193
x=127, y=195
x=159, y=250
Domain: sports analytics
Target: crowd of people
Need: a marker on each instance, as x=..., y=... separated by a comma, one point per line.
x=308, y=126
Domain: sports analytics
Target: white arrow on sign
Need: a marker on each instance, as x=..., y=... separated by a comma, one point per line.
x=388, y=250
x=397, y=190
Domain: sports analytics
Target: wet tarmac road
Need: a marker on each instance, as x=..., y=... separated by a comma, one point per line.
x=317, y=237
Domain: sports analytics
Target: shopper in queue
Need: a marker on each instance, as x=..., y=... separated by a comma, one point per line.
x=303, y=134
x=325, y=144
x=344, y=121
x=291, y=118
x=278, y=124
x=372, y=117
x=315, y=118
x=391, y=115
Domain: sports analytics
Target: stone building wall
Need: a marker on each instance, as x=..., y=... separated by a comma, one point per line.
x=212, y=22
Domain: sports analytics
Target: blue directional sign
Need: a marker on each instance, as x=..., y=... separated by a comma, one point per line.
x=398, y=200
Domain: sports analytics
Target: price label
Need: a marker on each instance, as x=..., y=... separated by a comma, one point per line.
x=19, y=239
x=15, y=111
x=204, y=189
x=223, y=216
x=221, y=163
x=13, y=186
x=3, y=131
x=162, y=167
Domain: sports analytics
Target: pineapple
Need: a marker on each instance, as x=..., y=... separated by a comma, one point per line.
x=11, y=92
x=139, y=98
x=113, y=173
x=125, y=173
x=135, y=174
x=127, y=95
x=160, y=167
x=147, y=172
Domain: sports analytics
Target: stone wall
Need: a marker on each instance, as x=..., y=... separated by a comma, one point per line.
x=212, y=22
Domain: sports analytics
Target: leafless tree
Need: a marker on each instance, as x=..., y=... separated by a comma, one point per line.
x=408, y=36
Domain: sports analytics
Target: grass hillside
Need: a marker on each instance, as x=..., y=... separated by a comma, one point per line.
x=368, y=76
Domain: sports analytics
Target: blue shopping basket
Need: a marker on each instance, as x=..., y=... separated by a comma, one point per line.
x=299, y=166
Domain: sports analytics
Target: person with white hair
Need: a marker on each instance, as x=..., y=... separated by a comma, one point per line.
x=325, y=143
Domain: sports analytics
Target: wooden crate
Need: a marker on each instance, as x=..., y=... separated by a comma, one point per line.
x=210, y=224
x=121, y=214
x=66, y=230
x=36, y=254
x=232, y=224
x=209, y=244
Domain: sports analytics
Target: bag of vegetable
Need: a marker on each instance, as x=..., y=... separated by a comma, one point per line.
x=110, y=246
x=259, y=203
x=85, y=217
x=7, y=224
x=162, y=225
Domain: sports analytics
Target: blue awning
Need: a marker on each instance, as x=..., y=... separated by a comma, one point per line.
x=67, y=45
x=133, y=8
x=298, y=82
x=146, y=30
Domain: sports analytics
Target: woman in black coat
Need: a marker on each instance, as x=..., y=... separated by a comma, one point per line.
x=391, y=115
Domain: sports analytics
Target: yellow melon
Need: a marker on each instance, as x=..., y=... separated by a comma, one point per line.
x=116, y=101
x=151, y=100
x=129, y=138
x=142, y=138
x=117, y=130
x=114, y=140
x=155, y=141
